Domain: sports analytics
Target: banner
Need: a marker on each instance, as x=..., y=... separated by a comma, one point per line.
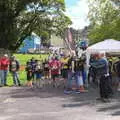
x=69, y=40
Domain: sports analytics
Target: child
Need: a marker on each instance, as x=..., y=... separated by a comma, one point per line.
x=29, y=74
x=33, y=64
x=46, y=69
x=64, y=68
x=54, y=66
x=38, y=72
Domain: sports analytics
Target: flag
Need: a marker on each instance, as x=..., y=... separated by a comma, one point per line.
x=69, y=36
x=70, y=39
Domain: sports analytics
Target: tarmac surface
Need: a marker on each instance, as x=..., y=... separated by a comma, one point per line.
x=22, y=103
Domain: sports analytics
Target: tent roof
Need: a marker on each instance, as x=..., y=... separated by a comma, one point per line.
x=108, y=45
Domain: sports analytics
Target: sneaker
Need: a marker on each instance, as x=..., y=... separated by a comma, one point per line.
x=68, y=91
x=77, y=91
x=83, y=91
x=105, y=100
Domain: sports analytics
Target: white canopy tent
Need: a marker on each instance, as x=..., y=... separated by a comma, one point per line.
x=108, y=45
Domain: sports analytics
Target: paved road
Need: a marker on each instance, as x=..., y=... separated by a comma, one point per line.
x=51, y=104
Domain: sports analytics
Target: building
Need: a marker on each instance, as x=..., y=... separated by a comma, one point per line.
x=31, y=43
x=57, y=41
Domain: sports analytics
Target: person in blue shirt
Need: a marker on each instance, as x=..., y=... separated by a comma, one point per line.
x=102, y=67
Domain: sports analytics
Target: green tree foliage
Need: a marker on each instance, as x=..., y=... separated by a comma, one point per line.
x=104, y=17
x=19, y=18
x=116, y=2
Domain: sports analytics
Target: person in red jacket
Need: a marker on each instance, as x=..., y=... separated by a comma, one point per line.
x=4, y=68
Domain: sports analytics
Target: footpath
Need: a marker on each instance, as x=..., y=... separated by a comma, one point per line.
x=22, y=103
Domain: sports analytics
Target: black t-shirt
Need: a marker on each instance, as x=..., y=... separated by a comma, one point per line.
x=70, y=63
x=46, y=66
x=29, y=68
x=79, y=64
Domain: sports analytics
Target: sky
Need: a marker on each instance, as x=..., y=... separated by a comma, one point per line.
x=77, y=10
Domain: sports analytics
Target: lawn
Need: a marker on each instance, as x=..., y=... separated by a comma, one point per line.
x=23, y=58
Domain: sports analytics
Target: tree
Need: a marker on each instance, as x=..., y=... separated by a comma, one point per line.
x=19, y=18
x=104, y=17
x=116, y=2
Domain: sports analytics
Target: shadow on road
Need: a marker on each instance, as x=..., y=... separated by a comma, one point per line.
x=46, y=92
x=113, y=107
x=75, y=100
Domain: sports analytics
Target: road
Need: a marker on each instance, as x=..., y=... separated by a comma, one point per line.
x=22, y=103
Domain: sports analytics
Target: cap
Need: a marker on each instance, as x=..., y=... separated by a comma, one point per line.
x=5, y=55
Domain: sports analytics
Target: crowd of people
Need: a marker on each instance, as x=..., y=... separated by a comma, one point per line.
x=68, y=68
x=58, y=68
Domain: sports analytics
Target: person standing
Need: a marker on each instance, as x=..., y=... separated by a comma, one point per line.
x=33, y=64
x=38, y=73
x=102, y=67
x=1, y=75
x=117, y=70
x=4, y=69
x=64, y=67
x=79, y=68
x=54, y=66
x=71, y=73
x=14, y=69
x=29, y=74
x=46, y=69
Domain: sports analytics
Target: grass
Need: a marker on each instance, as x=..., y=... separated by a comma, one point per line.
x=23, y=58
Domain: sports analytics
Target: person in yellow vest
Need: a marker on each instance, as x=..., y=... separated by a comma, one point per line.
x=64, y=67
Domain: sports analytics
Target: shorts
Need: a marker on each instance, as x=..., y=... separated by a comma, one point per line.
x=46, y=69
x=64, y=73
x=38, y=76
x=54, y=76
x=29, y=77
